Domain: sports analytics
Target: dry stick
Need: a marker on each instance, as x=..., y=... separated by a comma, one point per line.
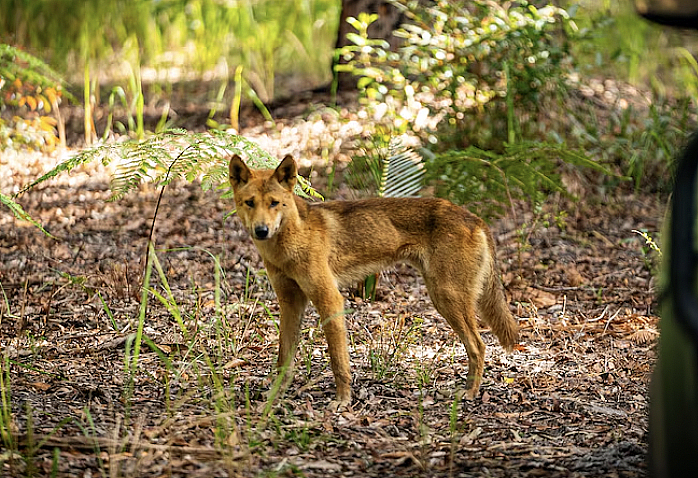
x=22, y=322
x=610, y=319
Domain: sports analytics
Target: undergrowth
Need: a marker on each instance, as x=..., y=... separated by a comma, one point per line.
x=32, y=91
x=474, y=85
x=202, y=371
x=181, y=39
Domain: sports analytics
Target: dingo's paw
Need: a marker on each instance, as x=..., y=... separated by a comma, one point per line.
x=339, y=404
x=472, y=388
x=471, y=394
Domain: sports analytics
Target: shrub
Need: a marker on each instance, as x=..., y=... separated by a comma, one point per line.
x=32, y=91
x=459, y=63
x=474, y=81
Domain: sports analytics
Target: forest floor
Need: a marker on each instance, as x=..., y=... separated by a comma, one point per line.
x=570, y=401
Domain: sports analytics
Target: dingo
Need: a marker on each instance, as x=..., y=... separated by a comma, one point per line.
x=310, y=250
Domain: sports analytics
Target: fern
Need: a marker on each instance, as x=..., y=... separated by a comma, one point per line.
x=489, y=180
x=20, y=213
x=172, y=154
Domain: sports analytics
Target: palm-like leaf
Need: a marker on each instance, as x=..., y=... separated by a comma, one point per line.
x=387, y=168
x=403, y=172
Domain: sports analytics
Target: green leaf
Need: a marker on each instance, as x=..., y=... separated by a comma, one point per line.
x=403, y=172
x=21, y=214
x=356, y=39
x=489, y=180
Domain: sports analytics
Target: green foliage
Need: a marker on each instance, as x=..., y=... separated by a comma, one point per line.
x=195, y=35
x=458, y=63
x=616, y=42
x=7, y=424
x=170, y=155
x=388, y=345
x=29, y=87
x=473, y=82
x=387, y=168
x=643, y=141
x=20, y=213
x=488, y=180
x=645, y=135
x=651, y=252
x=649, y=242
x=652, y=146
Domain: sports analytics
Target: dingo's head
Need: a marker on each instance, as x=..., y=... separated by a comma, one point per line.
x=263, y=198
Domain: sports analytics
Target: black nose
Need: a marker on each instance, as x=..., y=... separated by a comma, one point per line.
x=261, y=232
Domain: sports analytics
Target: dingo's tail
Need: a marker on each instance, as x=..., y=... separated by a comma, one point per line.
x=494, y=310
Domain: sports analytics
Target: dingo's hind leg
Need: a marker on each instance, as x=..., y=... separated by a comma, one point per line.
x=459, y=311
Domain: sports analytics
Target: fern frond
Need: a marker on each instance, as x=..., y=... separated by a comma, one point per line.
x=149, y=162
x=216, y=176
x=103, y=153
x=169, y=155
x=537, y=150
x=21, y=214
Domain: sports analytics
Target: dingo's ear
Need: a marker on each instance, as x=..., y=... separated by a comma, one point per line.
x=239, y=173
x=286, y=173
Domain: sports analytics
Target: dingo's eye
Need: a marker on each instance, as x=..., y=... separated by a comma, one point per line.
x=274, y=203
x=249, y=203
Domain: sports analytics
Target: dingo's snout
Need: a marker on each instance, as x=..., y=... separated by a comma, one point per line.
x=261, y=231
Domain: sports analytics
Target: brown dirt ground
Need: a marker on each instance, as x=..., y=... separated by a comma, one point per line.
x=570, y=401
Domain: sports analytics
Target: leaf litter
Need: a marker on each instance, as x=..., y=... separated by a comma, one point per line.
x=570, y=401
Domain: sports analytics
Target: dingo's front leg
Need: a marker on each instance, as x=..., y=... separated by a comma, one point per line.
x=330, y=305
x=292, y=302
x=336, y=334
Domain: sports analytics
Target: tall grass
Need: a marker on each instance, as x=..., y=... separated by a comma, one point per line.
x=184, y=37
x=617, y=43
x=644, y=137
